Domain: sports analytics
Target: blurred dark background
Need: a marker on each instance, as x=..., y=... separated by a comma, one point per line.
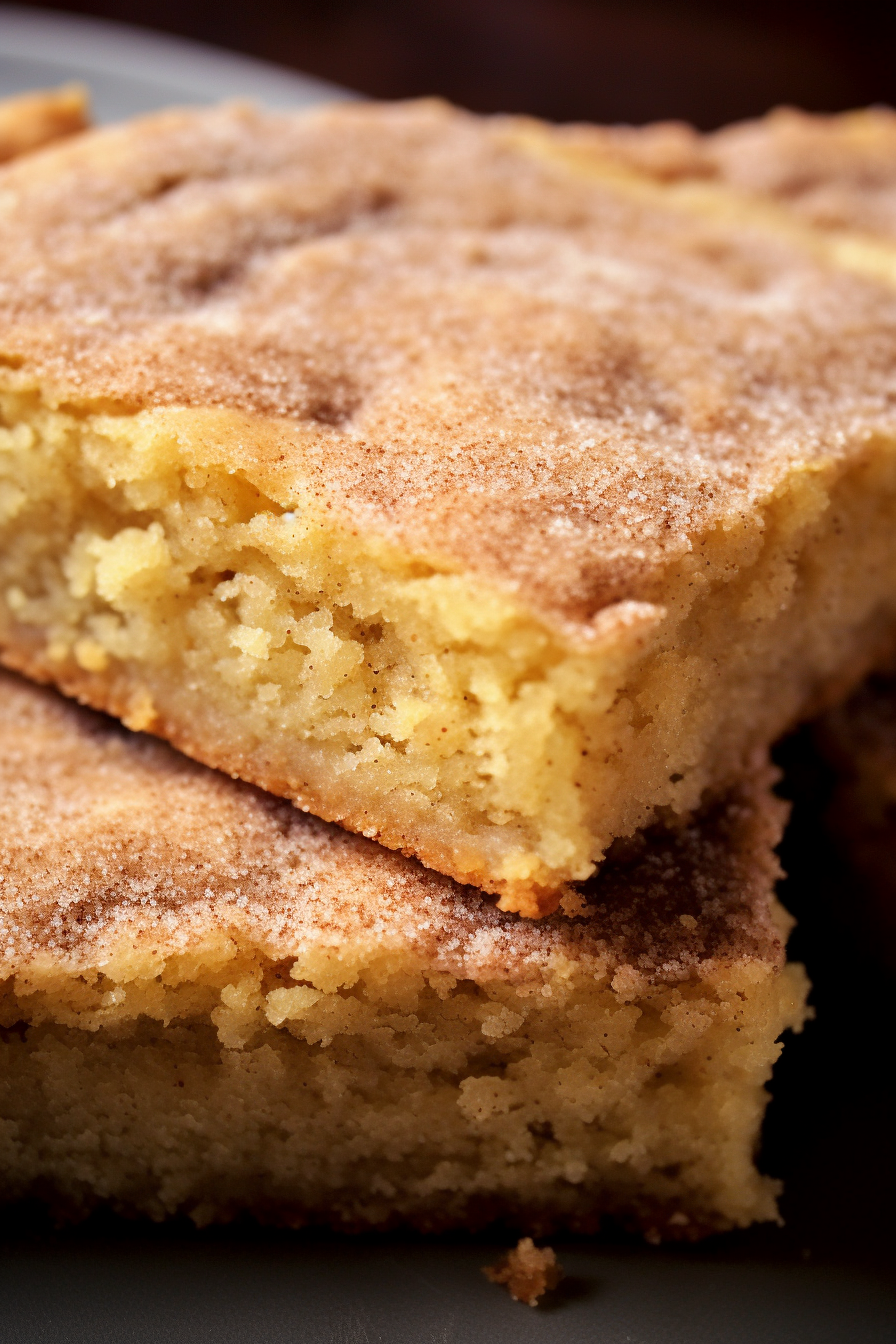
x=709, y=61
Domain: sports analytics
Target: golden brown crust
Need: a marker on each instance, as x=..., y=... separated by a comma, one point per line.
x=109, y=839
x=32, y=120
x=835, y=173
x=466, y=348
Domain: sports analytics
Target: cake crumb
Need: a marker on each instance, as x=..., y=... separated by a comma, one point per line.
x=573, y=904
x=527, y=1271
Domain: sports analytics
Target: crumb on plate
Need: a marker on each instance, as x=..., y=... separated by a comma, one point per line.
x=527, y=1272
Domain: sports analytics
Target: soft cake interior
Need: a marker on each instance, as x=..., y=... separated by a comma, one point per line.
x=215, y=605
x=211, y=1004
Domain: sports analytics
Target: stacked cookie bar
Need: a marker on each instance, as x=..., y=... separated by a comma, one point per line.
x=464, y=485
x=232, y=1006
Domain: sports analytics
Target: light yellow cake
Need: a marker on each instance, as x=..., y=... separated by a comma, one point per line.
x=212, y=1004
x=385, y=459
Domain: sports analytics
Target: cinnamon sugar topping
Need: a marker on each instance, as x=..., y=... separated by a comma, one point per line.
x=463, y=346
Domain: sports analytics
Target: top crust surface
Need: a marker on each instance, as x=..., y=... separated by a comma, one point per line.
x=837, y=172
x=452, y=342
x=833, y=172
x=111, y=841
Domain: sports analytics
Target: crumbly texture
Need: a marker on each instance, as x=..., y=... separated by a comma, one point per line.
x=384, y=459
x=527, y=1272
x=32, y=120
x=212, y=1004
x=859, y=740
